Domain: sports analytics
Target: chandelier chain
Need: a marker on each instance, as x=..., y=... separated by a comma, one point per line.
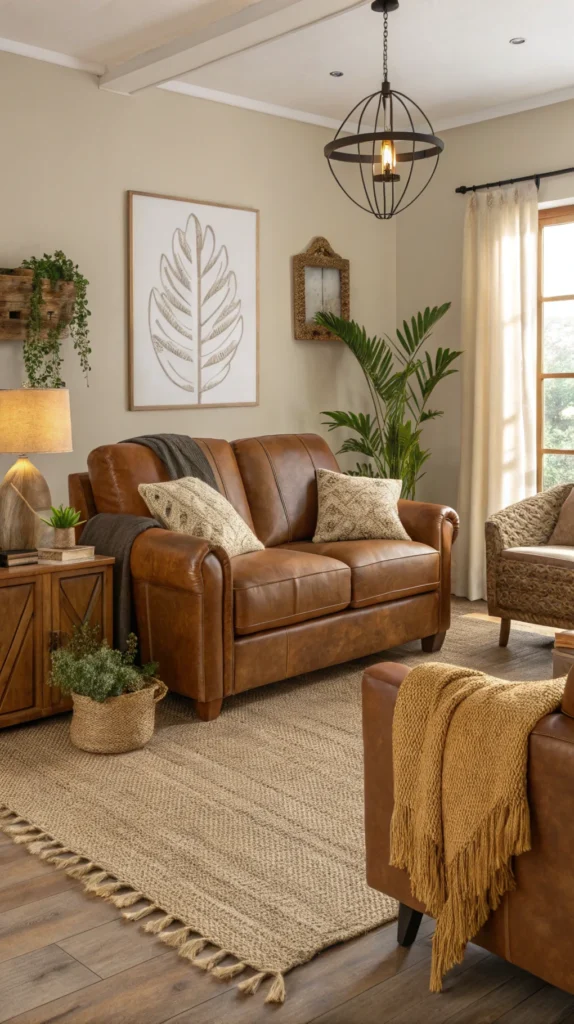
x=385, y=45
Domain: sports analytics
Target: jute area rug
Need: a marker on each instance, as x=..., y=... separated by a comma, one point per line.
x=239, y=842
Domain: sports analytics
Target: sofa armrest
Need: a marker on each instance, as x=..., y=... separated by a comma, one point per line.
x=429, y=524
x=183, y=597
x=437, y=526
x=380, y=688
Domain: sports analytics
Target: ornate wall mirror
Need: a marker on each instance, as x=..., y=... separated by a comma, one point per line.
x=320, y=284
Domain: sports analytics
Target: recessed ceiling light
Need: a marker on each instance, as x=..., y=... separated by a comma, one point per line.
x=517, y=40
x=336, y=74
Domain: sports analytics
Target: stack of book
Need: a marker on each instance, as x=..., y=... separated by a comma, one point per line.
x=18, y=556
x=79, y=553
x=564, y=638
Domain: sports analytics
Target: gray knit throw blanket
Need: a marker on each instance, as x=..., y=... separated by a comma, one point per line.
x=114, y=534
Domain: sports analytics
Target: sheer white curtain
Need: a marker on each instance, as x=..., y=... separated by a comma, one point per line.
x=499, y=318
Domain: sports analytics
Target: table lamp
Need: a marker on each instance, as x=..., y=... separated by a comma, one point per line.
x=32, y=420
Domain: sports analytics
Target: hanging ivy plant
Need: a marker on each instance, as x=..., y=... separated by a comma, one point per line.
x=42, y=347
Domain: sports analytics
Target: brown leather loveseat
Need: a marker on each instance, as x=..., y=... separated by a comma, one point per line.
x=218, y=626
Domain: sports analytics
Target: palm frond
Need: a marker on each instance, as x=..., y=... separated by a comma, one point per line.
x=389, y=437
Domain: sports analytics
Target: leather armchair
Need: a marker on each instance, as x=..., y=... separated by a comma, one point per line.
x=532, y=928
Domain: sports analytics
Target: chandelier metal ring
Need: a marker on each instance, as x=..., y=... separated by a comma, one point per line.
x=332, y=149
x=380, y=144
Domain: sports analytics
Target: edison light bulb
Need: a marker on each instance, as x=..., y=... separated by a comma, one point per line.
x=386, y=162
x=388, y=156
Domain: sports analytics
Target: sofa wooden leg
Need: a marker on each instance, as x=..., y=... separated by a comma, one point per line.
x=207, y=710
x=504, y=632
x=409, y=923
x=431, y=644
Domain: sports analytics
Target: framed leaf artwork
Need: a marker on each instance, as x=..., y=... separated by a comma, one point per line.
x=194, y=305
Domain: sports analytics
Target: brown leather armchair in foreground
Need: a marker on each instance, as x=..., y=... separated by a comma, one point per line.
x=533, y=927
x=218, y=626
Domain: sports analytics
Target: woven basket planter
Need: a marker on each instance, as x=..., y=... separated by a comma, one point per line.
x=118, y=724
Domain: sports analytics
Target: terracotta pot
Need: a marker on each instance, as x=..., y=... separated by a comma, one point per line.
x=64, y=537
x=118, y=724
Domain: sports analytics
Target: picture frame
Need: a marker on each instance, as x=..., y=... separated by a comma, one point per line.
x=193, y=316
x=321, y=282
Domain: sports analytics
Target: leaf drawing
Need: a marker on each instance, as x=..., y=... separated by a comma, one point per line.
x=195, y=317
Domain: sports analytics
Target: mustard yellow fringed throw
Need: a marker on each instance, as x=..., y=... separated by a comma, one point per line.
x=460, y=748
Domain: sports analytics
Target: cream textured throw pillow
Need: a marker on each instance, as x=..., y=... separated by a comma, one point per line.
x=357, y=508
x=191, y=506
x=564, y=529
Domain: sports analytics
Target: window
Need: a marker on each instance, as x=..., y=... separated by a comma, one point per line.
x=555, y=413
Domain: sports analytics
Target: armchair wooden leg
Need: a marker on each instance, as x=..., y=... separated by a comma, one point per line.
x=409, y=923
x=431, y=644
x=504, y=632
x=209, y=709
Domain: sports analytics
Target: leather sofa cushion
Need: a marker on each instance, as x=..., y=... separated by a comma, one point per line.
x=279, y=474
x=381, y=570
x=276, y=587
x=549, y=554
x=116, y=470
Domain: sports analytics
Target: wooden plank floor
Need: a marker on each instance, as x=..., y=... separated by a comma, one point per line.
x=66, y=957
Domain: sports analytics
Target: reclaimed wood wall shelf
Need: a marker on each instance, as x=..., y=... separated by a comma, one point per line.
x=15, y=294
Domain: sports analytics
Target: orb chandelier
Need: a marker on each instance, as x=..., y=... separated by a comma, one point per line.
x=391, y=150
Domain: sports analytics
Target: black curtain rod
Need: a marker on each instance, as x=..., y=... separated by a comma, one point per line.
x=512, y=181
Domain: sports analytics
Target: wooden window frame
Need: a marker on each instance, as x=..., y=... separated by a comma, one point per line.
x=554, y=215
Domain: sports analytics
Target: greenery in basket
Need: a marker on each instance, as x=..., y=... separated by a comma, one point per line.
x=63, y=517
x=401, y=379
x=42, y=355
x=90, y=667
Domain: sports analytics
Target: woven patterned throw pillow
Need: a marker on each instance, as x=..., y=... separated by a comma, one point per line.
x=564, y=529
x=191, y=506
x=357, y=508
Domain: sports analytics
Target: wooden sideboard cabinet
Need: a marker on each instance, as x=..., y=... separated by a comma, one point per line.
x=39, y=605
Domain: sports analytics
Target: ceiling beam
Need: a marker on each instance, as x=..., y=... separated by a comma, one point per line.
x=217, y=36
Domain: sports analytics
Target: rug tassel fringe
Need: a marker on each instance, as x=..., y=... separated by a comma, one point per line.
x=33, y=837
x=249, y=987
x=226, y=973
x=160, y=925
x=276, y=993
x=126, y=899
x=137, y=915
x=175, y=939
x=191, y=949
x=211, y=961
x=100, y=883
x=81, y=870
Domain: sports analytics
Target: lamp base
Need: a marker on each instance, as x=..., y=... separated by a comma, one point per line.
x=18, y=524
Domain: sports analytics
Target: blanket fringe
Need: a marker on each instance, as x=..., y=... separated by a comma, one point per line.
x=98, y=882
x=477, y=879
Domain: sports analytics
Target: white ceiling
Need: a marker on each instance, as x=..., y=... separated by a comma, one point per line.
x=452, y=56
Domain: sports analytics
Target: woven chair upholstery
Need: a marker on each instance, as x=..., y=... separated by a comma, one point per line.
x=526, y=578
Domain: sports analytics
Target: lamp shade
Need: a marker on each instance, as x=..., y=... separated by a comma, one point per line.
x=35, y=420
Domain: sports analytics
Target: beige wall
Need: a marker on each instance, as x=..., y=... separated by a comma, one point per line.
x=70, y=152
x=429, y=244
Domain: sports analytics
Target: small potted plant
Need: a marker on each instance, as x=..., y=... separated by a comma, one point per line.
x=114, y=699
x=63, y=521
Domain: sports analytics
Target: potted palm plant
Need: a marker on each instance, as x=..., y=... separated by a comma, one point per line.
x=114, y=699
x=401, y=378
